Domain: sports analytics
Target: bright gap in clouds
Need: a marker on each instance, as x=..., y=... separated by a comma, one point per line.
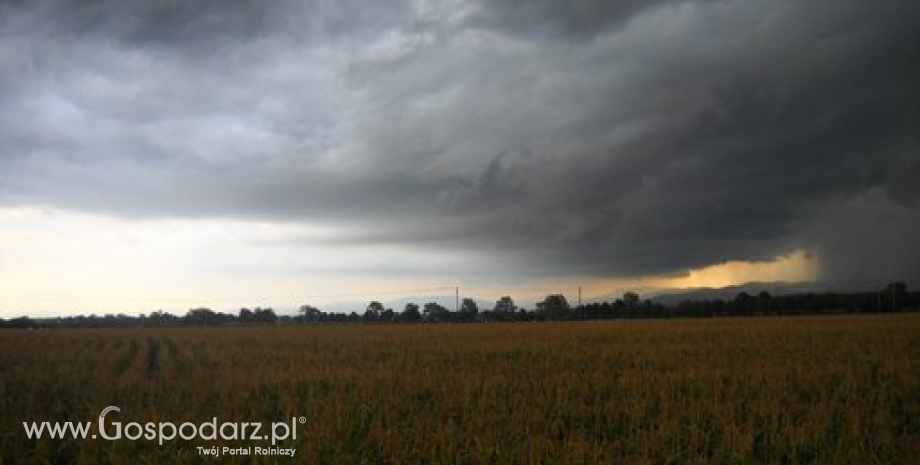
x=54, y=262
x=795, y=267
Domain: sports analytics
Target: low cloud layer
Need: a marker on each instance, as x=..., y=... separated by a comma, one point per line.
x=563, y=138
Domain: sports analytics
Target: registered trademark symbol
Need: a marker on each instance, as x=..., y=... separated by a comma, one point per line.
x=303, y=420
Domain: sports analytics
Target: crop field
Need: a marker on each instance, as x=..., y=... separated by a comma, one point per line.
x=833, y=390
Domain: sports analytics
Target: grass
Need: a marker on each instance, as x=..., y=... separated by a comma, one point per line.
x=832, y=390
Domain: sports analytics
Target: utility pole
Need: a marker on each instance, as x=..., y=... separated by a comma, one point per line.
x=457, y=297
x=579, y=296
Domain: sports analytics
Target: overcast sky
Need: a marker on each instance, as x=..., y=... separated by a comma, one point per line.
x=161, y=154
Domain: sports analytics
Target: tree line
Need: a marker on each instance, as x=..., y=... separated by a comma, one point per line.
x=555, y=307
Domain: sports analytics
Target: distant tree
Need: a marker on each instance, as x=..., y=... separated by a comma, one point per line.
x=373, y=311
x=22, y=322
x=388, y=315
x=411, y=313
x=310, y=313
x=264, y=315
x=505, y=305
x=468, y=309
x=375, y=307
x=553, y=307
x=436, y=312
x=631, y=300
x=744, y=304
x=201, y=316
x=245, y=316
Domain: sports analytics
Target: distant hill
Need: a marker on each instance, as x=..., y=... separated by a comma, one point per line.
x=672, y=298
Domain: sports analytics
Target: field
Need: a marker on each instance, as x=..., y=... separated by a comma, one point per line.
x=832, y=390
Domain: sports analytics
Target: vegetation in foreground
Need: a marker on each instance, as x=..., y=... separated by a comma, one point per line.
x=833, y=390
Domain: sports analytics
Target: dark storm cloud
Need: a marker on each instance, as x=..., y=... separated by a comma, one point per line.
x=868, y=237
x=612, y=138
x=576, y=19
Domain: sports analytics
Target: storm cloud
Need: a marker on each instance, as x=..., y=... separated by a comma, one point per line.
x=587, y=137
